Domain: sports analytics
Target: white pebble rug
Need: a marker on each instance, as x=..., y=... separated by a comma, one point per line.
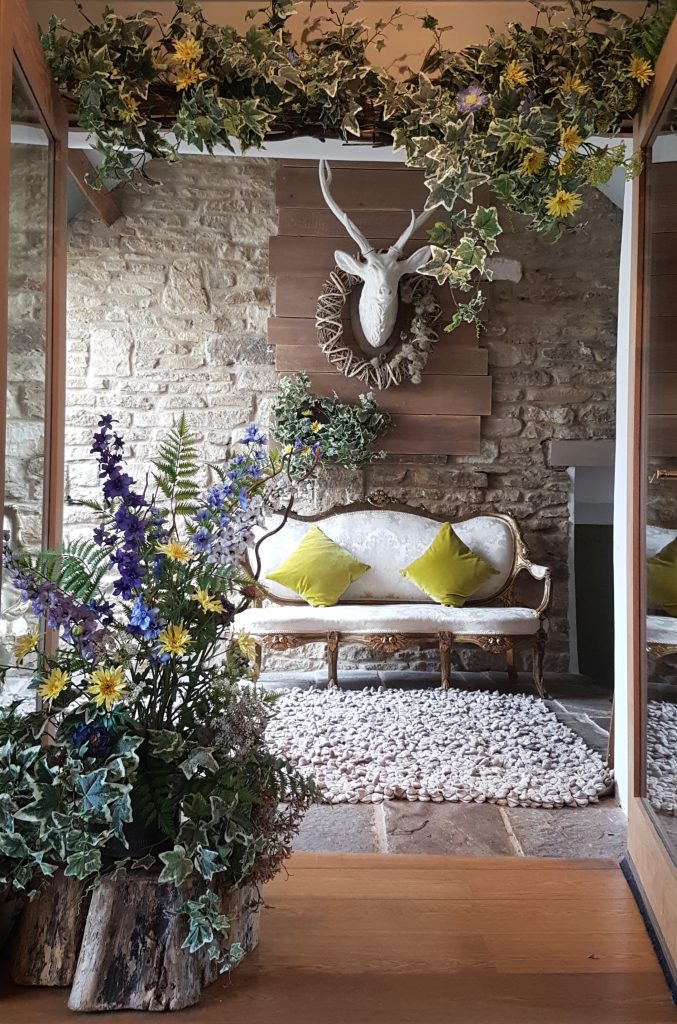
x=365, y=746
x=661, y=756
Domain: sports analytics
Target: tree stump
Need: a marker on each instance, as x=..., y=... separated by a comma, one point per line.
x=49, y=934
x=131, y=956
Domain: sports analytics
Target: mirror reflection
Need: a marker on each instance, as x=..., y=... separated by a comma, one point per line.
x=28, y=303
x=661, y=506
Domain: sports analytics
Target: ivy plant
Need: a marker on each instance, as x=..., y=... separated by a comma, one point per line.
x=340, y=433
x=514, y=115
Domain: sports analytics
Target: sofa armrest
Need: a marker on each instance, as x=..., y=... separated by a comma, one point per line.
x=541, y=573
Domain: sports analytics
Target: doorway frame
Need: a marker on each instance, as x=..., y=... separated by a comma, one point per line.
x=20, y=50
x=653, y=867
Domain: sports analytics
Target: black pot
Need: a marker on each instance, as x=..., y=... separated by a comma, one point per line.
x=142, y=840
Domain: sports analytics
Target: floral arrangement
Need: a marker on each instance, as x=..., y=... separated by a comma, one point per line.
x=515, y=114
x=335, y=431
x=156, y=756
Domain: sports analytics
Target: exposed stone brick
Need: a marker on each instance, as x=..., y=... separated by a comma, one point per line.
x=168, y=311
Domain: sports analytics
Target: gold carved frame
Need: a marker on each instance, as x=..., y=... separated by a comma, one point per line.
x=500, y=643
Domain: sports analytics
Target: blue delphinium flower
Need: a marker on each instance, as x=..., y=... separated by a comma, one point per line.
x=100, y=740
x=253, y=435
x=144, y=622
x=201, y=540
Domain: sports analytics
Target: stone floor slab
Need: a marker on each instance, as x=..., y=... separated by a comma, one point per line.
x=466, y=830
x=342, y=828
x=595, y=831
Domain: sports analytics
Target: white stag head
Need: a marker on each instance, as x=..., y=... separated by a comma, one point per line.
x=379, y=271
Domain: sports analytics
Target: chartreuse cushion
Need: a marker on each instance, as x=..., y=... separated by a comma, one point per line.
x=662, y=578
x=448, y=571
x=318, y=569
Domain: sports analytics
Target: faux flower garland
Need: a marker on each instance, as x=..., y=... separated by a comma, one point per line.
x=512, y=114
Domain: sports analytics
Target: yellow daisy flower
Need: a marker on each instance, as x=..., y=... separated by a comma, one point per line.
x=564, y=166
x=175, y=639
x=316, y=427
x=306, y=450
x=514, y=75
x=188, y=76
x=640, y=69
x=532, y=162
x=563, y=203
x=175, y=550
x=187, y=50
x=108, y=686
x=131, y=107
x=570, y=140
x=206, y=601
x=53, y=684
x=26, y=644
x=572, y=83
x=288, y=449
x=246, y=645
x=306, y=412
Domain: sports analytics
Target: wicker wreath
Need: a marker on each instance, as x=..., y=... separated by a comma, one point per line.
x=409, y=356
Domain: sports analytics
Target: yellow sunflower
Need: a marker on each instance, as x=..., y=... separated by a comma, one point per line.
x=640, y=69
x=175, y=550
x=206, y=601
x=53, y=684
x=187, y=50
x=563, y=203
x=26, y=644
x=570, y=140
x=188, y=76
x=564, y=166
x=246, y=645
x=175, y=639
x=514, y=75
x=108, y=686
x=532, y=162
x=572, y=83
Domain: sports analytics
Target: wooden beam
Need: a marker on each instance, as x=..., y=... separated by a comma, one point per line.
x=101, y=201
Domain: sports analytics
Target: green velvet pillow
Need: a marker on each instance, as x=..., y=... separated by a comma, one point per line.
x=318, y=569
x=448, y=571
x=662, y=578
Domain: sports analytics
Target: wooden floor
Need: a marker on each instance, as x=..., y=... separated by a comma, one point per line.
x=376, y=939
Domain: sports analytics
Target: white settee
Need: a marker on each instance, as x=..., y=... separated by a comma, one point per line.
x=382, y=609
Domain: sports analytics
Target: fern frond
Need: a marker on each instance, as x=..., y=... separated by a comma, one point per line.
x=78, y=568
x=657, y=28
x=176, y=468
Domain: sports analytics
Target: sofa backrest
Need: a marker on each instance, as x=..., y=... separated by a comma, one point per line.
x=388, y=540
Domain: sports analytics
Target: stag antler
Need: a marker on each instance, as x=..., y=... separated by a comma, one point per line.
x=416, y=222
x=353, y=231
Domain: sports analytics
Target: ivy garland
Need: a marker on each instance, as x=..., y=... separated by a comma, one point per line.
x=512, y=114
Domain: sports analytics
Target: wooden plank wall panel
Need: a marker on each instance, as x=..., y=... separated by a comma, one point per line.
x=442, y=414
x=662, y=298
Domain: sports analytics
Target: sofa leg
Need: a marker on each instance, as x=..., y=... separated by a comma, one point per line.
x=445, y=659
x=332, y=659
x=512, y=671
x=539, y=651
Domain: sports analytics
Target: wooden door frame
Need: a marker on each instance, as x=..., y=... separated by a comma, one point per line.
x=20, y=47
x=653, y=867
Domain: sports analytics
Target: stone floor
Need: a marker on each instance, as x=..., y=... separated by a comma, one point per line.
x=472, y=829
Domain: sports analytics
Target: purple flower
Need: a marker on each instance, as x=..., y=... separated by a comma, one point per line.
x=201, y=540
x=471, y=99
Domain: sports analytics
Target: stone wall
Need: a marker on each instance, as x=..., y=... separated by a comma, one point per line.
x=168, y=310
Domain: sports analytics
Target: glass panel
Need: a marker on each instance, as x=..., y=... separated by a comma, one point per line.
x=660, y=372
x=30, y=218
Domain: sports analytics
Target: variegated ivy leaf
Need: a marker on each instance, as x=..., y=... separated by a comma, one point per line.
x=207, y=863
x=177, y=866
x=444, y=192
x=83, y=863
x=485, y=222
x=469, y=254
x=201, y=757
x=439, y=266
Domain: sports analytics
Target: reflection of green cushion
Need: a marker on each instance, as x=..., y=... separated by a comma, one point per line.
x=662, y=578
x=448, y=571
x=318, y=569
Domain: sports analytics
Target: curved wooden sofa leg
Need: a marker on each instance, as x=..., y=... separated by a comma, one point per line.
x=539, y=651
x=332, y=659
x=445, y=659
x=510, y=660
